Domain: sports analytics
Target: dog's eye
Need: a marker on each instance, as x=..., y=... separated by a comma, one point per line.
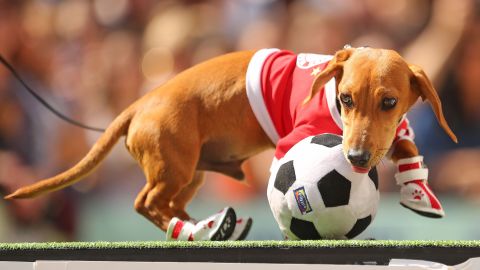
x=346, y=100
x=388, y=103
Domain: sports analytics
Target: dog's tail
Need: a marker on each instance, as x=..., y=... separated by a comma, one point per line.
x=97, y=153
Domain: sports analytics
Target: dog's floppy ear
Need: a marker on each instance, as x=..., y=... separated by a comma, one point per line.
x=334, y=68
x=420, y=83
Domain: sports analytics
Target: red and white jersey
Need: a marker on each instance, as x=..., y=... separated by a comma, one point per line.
x=278, y=82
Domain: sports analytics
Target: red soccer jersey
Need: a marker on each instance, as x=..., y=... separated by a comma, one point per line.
x=278, y=82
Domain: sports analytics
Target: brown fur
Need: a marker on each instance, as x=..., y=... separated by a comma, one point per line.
x=202, y=120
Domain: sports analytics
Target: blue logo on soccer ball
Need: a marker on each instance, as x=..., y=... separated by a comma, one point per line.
x=302, y=200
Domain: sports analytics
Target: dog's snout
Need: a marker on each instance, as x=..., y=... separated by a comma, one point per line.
x=358, y=157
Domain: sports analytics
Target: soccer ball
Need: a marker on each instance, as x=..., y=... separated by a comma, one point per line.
x=314, y=193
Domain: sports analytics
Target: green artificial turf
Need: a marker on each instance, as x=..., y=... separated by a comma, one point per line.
x=241, y=244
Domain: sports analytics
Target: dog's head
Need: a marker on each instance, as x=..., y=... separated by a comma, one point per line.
x=375, y=88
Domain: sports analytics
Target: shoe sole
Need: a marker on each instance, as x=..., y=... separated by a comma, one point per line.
x=246, y=230
x=227, y=226
x=425, y=214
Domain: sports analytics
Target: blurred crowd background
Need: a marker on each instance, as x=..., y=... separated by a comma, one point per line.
x=92, y=58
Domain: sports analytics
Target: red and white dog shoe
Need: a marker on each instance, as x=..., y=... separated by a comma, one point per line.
x=218, y=227
x=415, y=194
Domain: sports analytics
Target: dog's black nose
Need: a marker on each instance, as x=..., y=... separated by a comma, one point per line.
x=358, y=157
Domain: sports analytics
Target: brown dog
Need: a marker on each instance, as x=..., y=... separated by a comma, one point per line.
x=202, y=120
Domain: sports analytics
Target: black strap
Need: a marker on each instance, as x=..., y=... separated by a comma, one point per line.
x=45, y=103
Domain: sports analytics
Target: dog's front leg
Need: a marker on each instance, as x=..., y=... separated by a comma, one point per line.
x=412, y=175
x=404, y=149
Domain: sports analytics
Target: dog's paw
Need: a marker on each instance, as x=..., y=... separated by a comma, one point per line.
x=217, y=227
x=179, y=230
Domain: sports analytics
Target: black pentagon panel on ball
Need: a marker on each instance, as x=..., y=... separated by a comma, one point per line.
x=328, y=140
x=359, y=227
x=304, y=230
x=285, y=177
x=335, y=189
x=374, y=176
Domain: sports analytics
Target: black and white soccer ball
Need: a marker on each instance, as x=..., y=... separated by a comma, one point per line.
x=314, y=193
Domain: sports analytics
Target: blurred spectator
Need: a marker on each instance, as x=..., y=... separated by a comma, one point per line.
x=455, y=166
x=432, y=49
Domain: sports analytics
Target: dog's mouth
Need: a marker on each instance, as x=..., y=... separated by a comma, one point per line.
x=360, y=169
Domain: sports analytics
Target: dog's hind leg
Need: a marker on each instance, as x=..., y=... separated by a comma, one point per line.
x=168, y=162
x=140, y=202
x=164, y=182
x=179, y=203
